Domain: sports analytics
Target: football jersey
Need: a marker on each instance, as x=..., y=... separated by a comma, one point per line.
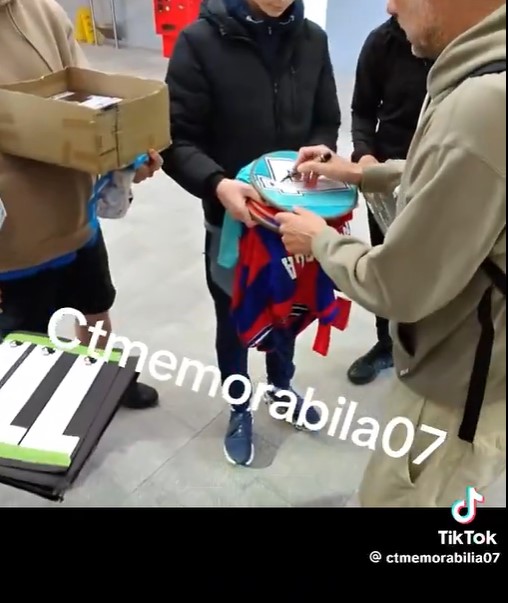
x=274, y=289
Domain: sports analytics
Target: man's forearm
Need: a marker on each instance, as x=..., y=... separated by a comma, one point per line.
x=383, y=178
x=342, y=258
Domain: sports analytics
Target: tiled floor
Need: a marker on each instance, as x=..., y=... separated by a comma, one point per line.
x=172, y=455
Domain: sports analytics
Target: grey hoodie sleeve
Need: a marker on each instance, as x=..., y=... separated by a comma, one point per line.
x=383, y=178
x=434, y=247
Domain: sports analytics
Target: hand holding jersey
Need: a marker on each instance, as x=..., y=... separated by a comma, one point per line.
x=233, y=195
x=298, y=229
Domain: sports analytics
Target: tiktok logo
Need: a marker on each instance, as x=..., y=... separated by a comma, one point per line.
x=469, y=504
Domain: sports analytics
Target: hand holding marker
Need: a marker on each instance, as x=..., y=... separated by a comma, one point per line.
x=310, y=179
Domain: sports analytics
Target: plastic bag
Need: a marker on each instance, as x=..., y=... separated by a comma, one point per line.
x=3, y=213
x=115, y=198
x=112, y=194
x=383, y=208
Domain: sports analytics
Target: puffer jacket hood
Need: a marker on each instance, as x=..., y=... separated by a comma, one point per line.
x=396, y=30
x=215, y=12
x=231, y=16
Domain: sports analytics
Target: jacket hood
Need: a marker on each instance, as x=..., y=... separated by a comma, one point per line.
x=396, y=30
x=209, y=7
x=229, y=14
x=484, y=43
x=215, y=12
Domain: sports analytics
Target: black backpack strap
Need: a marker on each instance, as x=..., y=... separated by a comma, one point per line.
x=494, y=67
x=483, y=355
x=481, y=368
x=496, y=275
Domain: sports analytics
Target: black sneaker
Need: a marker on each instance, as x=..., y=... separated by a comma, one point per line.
x=140, y=396
x=238, y=446
x=367, y=368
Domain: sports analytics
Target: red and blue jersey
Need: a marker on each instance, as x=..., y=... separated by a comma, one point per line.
x=272, y=289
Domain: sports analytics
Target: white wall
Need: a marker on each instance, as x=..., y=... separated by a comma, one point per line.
x=316, y=10
x=348, y=23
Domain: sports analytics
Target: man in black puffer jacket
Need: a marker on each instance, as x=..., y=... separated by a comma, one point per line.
x=248, y=77
x=390, y=87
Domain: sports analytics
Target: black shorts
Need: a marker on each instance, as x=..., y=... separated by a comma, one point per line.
x=27, y=304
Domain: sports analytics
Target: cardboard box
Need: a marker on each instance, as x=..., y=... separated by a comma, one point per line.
x=84, y=119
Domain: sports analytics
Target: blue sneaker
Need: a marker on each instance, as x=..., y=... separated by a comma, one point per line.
x=312, y=416
x=238, y=446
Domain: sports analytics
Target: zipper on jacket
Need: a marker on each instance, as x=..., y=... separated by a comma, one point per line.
x=292, y=74
x=276, y=107
x=275, y=85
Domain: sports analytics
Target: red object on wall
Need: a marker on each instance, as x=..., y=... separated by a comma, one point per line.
x=171, y=16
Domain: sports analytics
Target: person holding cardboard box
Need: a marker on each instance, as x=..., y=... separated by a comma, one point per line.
x=52, y=254
x=247, y=78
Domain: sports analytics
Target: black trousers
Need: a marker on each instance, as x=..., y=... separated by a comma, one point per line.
x=85, y=284
x=232, y=355
x=382, y=325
